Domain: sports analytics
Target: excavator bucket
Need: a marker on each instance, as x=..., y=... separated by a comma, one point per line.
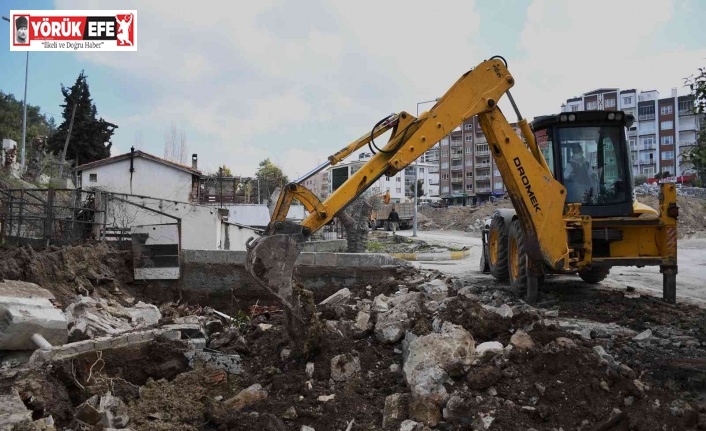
x=271, y=261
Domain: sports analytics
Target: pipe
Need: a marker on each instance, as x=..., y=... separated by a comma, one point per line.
x=41, y=342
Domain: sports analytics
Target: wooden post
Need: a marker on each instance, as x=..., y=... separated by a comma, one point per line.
x=49, y=220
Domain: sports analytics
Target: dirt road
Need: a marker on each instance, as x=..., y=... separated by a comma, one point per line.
x=691, y=286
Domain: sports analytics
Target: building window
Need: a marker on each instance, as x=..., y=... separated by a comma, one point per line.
x=469, y=162
x=421, y=170
x=667, y=140
x=632, y=142
x=667, y=155
x=469, y=174
x=93, y=178
x=627, y=100
x=666, y=109
x=445, y=189
x=444, y=165
x=592, y=106
x=686, y=106
x=646, y=112
x=399, y=179
x=667, y=125
x=469, y=126
x=468, y=138
x=469, y=186
x=468, y=150
x=444, y=153
x=482, y=148
x=610, y=103
x=574, y=108
x=444, y=142
x=387, y=178
x=496, y=172
x=445, y=177
x=648, y=142
x=647, y=127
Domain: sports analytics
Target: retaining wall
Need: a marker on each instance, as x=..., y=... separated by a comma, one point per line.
x=218, y=278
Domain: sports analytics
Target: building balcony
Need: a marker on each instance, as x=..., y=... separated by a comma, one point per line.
x=457, y=180
x=482, y=189
x=632, y=132
x=485, y=153
x=483, y=166
x=646, y=117
x=483, y=177
x=648, y=147
x=456, y=156
x=457, y=168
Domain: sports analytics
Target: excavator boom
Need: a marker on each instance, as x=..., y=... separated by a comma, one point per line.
x=271, y=257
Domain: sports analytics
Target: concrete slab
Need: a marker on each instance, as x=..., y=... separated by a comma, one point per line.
x=26, y=309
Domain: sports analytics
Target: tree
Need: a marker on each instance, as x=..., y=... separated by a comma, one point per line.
x=90, y=136
x=419, y=185
x=268, y=177
x=175, y=147
x=697, y=154
x=39, y=127
x=225, y=171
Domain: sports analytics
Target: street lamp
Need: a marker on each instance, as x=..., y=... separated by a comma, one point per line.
x=416, y=176
x=24, y=111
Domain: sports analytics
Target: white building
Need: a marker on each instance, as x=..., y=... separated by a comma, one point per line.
x=140, y=173
x=148, y=190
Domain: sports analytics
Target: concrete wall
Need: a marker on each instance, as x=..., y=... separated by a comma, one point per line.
x=200, y=224
x=234, y=237
x=149, y=179
x=219, y=278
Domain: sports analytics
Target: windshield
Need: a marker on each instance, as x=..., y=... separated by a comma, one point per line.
x=592, y=165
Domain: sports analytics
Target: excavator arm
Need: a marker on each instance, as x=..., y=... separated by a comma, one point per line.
x=537, y=196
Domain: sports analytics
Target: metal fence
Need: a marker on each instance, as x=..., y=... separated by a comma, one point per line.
x=332, y=230
x=42, y=217
x=47, y=216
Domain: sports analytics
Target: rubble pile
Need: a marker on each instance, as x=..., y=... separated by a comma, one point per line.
x=467, y=219
x=422, y=352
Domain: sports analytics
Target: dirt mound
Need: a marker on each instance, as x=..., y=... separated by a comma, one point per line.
x=71, y=270
x=692, y=214
x=459, y=217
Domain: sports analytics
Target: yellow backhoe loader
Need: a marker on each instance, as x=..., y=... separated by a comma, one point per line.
x=564, y=221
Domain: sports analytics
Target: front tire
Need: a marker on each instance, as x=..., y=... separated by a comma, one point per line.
x=497, y=248
x=517, y=257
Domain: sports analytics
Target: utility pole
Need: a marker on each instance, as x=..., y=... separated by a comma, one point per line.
x=24, y=110
x=66, y=144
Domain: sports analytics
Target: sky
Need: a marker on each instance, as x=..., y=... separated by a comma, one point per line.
x=297, y=81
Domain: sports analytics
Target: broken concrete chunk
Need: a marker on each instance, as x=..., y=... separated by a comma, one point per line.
x=26, y=309
x=309, y=369
x=643, y=336
x=430, y=360
x=482, y=422
x=13, y=411
x=326, y=398
x=522, y=340
x=380, y=304
x=435, y=290
x=362, y=325
x=409, y=425
x=395, y=411
x=91, y=318
x=489, y=347
x=232, y=364
x=306, y=428
x=344, y=367
x=247, y=397
x=338, y=298
x=505, y=311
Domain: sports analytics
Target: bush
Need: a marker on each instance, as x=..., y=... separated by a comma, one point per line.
x=640, y=179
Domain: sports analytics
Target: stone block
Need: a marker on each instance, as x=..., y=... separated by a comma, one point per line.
x=306, y=259
x=326, y=259
x=26, y=309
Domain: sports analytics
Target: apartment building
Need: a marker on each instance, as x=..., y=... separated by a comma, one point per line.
x=468, y=175
x=665, y=128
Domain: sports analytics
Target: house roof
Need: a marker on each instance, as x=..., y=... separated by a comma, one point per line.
x=138, y=153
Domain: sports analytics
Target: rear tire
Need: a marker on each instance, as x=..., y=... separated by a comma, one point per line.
x=497, y=248
x=594, y=275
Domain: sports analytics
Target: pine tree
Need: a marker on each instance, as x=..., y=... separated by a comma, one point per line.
x=90, y=136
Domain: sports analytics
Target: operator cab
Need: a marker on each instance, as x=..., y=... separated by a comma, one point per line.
x=587, y=153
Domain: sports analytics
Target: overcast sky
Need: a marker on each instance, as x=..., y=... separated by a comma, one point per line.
x=297, y=80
